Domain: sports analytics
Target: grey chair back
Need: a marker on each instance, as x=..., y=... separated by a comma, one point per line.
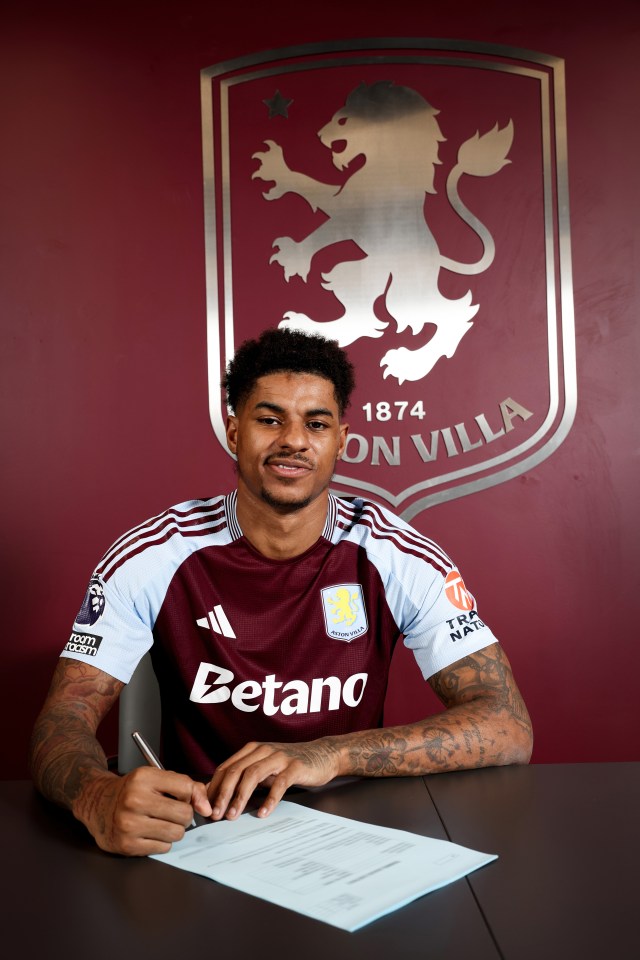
x=139, y=709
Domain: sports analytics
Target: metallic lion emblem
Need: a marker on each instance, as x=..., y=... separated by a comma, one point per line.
x=381, y=209
x=409, y=199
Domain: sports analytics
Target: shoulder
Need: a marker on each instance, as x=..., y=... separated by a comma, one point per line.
x=180, y=529
x=386, y=536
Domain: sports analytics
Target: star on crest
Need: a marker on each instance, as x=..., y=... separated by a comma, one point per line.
x=278, y=105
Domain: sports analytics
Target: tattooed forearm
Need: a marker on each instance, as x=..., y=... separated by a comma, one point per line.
x=65, y=755
x=485, y=724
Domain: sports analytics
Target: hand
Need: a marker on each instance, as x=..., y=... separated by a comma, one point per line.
x=141, y=813
x=275, y=765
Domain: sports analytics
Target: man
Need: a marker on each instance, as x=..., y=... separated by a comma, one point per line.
x=271, y=614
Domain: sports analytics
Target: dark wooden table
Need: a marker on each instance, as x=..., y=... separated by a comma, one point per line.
x=565, y=883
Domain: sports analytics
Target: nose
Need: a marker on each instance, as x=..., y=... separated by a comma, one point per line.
x=293, y=435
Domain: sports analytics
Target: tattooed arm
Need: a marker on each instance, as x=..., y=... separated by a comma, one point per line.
x=485, y=724
x=140, y=813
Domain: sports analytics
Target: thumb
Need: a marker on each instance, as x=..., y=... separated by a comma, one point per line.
x=200, y=800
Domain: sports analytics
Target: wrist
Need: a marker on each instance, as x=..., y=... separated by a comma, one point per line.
x=338, y=755
x=88, y=798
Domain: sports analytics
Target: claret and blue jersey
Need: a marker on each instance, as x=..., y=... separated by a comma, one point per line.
x=250, y=648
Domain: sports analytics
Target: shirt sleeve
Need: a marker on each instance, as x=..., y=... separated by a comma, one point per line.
x=438, y=617
x=109, y=632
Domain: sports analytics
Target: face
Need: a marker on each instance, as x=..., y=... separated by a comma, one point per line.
x=287, y=437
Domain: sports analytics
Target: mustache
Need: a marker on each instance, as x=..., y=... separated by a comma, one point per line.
x=299, y=457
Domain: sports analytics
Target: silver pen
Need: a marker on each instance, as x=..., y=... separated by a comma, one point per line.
x=149, y=754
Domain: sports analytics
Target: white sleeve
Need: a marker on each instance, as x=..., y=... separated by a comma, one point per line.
x=109, y=632
x=437, y=616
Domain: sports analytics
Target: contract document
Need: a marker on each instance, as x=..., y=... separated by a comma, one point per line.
x=337, y=870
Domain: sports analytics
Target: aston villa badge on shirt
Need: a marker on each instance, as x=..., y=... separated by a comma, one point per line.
x=407, y=198
x=345, y=615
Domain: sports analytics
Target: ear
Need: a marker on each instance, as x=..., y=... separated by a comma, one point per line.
x=344, y=431
x=232, y=433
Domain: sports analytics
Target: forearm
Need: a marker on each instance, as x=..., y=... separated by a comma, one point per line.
x=140, y=813
x=481, y=733
x=66, y=758
x=485, y=724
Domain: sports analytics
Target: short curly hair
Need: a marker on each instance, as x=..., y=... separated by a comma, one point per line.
x=288, y=351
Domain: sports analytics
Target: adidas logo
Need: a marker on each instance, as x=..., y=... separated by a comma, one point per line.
x=216, y=620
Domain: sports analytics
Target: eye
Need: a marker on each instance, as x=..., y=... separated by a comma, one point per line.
x=268, y=421
x=317, y=425
x=342, y=121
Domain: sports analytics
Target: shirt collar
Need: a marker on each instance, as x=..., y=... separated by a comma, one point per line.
x=231, y=511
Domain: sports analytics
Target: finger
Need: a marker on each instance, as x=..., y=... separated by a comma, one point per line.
x=160, y=794
x=222, y=788
x=167, y=782
x=161, y=831
x=159, y=807
x=128, y=827
x=200, y=800
x=141, y=847
x=278, y=789
x=227, y=797
x=223, y=785
x=221, y=792
x=276, y=766
x=149, y=836
x=130, y=846
x=169, y=810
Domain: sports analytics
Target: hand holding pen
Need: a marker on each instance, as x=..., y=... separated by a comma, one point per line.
x=141, y=812
x=150, y=756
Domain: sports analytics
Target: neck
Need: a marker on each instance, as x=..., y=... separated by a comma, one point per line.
x=280, y=535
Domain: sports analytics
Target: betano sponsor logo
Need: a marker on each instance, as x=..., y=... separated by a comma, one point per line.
x=213, y=684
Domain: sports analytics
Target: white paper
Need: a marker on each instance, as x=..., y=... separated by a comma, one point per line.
x=341, y=871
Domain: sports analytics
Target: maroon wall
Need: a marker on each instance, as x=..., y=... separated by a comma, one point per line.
x=103, y=318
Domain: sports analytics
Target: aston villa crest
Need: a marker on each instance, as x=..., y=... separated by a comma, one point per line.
x=408, y=200
x=345, y=615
